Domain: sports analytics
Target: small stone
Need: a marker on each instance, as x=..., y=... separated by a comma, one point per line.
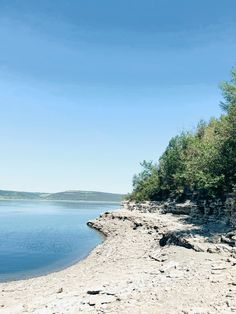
x=101, y=299
x=60, y=290
x=168, y=266
x=218, y=267
x=93, y=292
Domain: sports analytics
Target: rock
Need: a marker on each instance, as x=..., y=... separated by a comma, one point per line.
x=231, y=234
x=101, y=299
x=158, y=257
x=218, y=267
x=137, y=224
x=168, y=266
x=92, y=301
x=60, y=290
x=210, y=210
x=93, y=292
x=213, y=249
x=229, y=241
x=90, y=223
x=198, y=247
x=183, y=240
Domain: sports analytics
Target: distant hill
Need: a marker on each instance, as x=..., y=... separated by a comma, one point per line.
x=86, y=196
x=19, y=195
x=63, y=196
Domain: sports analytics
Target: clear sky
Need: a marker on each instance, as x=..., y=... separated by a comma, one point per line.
x=88, y=89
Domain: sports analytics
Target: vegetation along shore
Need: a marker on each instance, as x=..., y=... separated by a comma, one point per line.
x=197, y=165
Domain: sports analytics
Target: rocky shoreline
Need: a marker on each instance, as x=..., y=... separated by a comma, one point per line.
x=215, y=209
x=149, y=263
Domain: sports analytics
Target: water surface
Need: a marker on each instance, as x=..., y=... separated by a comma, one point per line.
x=38, y=237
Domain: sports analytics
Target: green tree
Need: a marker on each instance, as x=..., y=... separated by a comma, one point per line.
x=229, y=92
x=146, y=183
x=199, y=164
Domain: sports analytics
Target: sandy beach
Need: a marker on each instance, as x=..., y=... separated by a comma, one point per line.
x=149, y=263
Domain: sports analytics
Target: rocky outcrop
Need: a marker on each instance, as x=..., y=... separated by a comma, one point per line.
x=224, y=211
x=230, y=208
x=186, y=208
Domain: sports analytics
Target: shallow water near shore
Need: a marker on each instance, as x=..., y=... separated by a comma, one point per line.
x=38, y=237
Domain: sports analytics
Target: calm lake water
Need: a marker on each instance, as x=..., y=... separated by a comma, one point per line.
x=39, y=237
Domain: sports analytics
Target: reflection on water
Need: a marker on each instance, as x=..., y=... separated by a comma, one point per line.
x=37, y=237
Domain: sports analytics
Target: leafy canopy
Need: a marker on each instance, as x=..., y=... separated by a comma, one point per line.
x=199, y=164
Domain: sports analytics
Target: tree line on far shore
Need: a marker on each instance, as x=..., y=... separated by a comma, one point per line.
x=200, y=164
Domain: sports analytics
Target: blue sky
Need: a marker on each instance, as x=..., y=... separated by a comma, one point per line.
x=89, y=89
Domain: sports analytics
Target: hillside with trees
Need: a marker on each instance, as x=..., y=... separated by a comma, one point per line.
x=199, y=164
x=90, y=196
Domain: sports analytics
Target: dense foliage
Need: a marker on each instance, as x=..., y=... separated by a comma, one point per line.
x=197, y=165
